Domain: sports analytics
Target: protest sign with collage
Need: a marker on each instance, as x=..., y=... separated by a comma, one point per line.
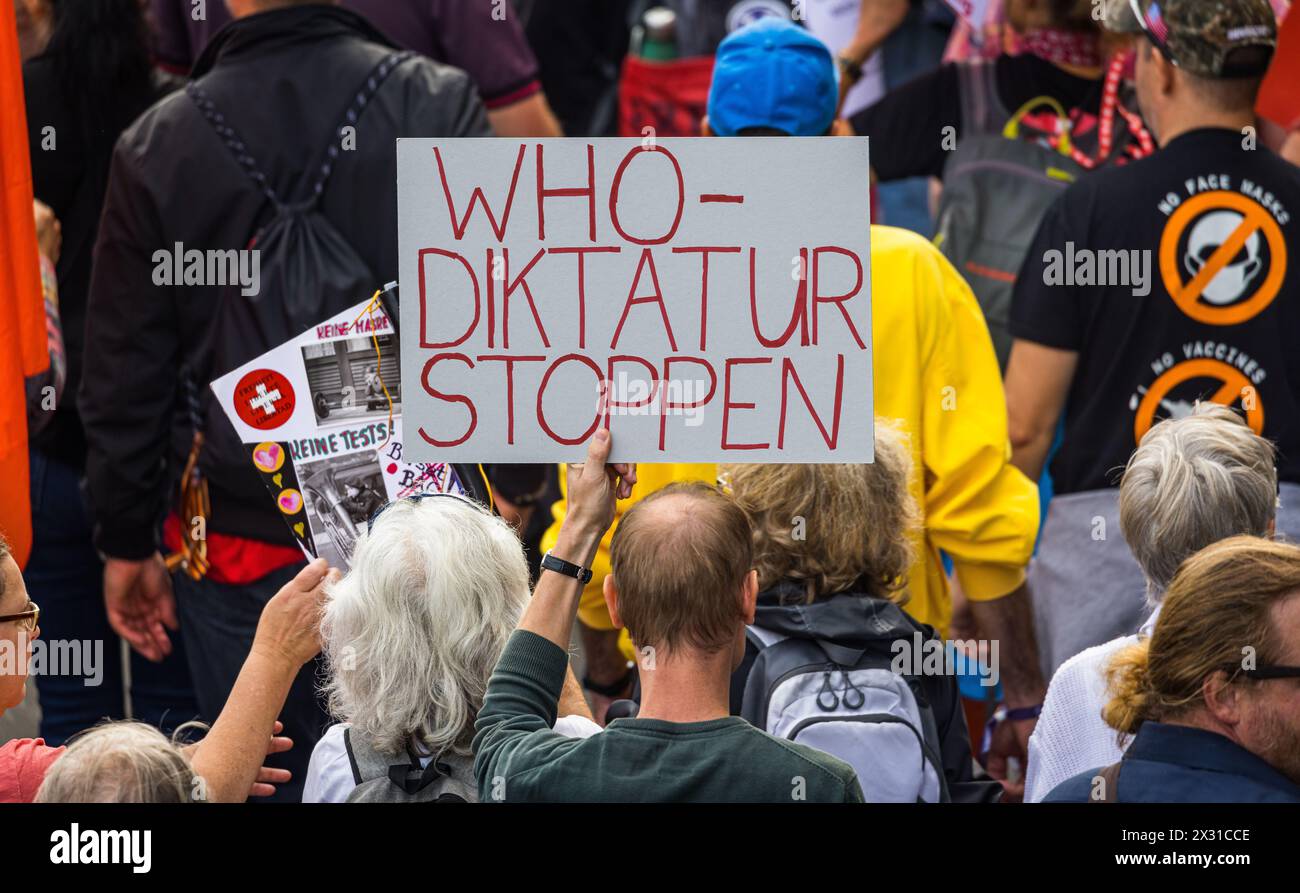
x=321, y=418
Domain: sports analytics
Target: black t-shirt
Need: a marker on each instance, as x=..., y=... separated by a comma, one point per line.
x=703, y=24
x=580, y=45
x=1231, y=336
x=909, y=122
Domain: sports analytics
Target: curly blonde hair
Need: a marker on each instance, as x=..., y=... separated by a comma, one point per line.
x=833, y=526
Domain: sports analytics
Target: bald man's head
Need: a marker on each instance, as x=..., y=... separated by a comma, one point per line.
x=680, y=557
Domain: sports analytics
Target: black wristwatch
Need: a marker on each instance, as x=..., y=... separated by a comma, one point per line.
x=551, y=563
x=852, y=70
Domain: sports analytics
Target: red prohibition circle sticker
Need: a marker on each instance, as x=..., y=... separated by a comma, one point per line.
x=264, y=399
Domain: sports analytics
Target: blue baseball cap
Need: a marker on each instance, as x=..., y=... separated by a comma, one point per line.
x=773, y=73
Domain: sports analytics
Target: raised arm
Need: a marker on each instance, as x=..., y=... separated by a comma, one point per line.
x=230, y=758
x=513, y=730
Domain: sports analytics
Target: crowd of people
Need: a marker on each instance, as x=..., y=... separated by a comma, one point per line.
x=1066, y=576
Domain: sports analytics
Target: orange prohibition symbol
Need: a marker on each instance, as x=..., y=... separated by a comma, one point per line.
x=1233, y=386
x=1215, y=227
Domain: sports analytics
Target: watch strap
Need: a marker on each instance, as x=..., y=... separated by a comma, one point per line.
x=852, y=70
x=551, y=562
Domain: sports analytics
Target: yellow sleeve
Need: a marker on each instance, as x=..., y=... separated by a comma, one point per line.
x=979, y=508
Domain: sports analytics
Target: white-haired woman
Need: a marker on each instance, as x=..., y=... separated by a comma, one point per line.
x=122, y=762
x=1191, y=482
x=411, y=635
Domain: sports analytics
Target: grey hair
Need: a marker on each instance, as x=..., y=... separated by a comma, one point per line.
x=413, y=631
x=120, y=762
x=1192, y=482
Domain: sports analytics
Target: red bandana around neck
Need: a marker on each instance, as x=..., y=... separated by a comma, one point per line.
x=1062, y=47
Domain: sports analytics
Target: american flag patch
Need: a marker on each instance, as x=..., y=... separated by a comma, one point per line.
x=1156, y=22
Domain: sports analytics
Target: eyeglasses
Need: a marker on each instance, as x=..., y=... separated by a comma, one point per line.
x=418, y=498
x=1273, y=672
x=28, y=619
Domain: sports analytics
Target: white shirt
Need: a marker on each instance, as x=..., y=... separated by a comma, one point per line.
x=1071, y=737
x=833, y=23
x=329, y=774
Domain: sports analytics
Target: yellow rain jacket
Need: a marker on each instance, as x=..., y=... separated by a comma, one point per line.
x=936, y=373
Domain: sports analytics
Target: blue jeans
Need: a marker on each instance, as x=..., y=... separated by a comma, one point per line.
x=218, y=621
x=65, y=577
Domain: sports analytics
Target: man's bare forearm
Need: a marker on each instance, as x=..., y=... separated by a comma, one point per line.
x=531, y=117
x=551, y=610
x=1010, y=622
x=1030, y=456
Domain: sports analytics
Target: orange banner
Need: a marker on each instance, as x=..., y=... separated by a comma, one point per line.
x=23, y=348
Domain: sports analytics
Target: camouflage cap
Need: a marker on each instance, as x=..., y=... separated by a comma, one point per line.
x=1118, y=16
x=1210, y=38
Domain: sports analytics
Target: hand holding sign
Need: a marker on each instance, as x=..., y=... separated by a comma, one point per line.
x=594, y=485
x=289, y=628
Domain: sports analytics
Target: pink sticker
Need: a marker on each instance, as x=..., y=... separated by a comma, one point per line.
x=268, y=457
x=290, y=501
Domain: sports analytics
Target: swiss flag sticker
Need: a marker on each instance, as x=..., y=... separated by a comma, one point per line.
x=264, y=399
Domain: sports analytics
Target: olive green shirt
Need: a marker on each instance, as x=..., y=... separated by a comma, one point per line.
x=519, y=758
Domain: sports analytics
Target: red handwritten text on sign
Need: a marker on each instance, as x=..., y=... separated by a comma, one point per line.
x=705, y=299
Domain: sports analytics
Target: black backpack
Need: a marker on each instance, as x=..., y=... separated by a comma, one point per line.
x=308, y=273
x=1002, y=179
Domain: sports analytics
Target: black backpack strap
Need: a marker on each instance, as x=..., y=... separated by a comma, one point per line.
x=411, y=777
x=357, y=777
x=234, y=144
x=239, y=150
x=365, y=93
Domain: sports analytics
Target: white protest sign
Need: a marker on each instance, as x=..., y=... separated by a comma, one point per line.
x=706, y=299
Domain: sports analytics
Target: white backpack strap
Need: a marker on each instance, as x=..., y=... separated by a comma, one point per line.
x=763, y=638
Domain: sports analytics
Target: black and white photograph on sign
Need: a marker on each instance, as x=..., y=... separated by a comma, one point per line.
x=341, y=493
x=347, y=381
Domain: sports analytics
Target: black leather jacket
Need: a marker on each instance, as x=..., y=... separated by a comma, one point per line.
x=283, y=79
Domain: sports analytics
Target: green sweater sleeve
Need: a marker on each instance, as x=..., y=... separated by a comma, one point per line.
x=853, y=793
x=514, y=730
